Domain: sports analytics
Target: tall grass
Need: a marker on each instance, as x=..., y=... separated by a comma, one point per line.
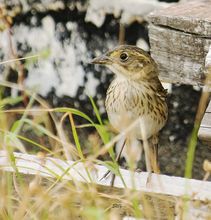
x=35, y=197
x=38, y=198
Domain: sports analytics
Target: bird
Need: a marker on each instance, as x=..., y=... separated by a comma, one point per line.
x=135, y=97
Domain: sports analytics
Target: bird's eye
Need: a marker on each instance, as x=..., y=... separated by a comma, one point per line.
x=123, y=57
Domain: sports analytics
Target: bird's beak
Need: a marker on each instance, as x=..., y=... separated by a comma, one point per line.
x=103, y=60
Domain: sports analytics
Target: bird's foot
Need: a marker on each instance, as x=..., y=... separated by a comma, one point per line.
x=106, y=176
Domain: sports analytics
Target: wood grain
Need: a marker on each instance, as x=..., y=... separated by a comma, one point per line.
x=180, y=56
x=179, y=38
x=205, y=128
x=191, y=17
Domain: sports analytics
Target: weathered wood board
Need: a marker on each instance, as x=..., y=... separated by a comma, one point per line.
x=204, y=132
x=205, y=128
x=179, y=38
x=163, y=193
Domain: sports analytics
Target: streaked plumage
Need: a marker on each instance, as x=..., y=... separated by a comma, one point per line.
x=135, y=93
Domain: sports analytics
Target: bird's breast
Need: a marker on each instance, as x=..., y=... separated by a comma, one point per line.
x=128, y=101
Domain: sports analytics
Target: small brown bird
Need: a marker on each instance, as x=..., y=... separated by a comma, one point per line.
x=135, y=95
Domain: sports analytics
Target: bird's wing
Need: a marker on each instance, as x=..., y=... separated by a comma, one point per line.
x=161, y=92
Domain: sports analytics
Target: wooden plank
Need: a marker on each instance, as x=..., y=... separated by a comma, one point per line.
x=204, y=134
x=205, y=127
x=31, y=164
x=180, y=37
x=180, y=56
x=206, y=122
x=209, y=108
x=162, y=192
x=189, y=17
x=174, y=186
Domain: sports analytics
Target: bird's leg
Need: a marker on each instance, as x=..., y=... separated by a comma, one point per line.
x=147, y=159
x=120, y=152
x=117, y=159
x=156, y=167
x=153, y=157
x=147, y=155
x=153, y=151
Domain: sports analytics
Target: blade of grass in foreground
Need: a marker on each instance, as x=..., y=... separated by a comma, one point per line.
x=15, y=130
x=102, y=130
x=191, y=152
x=10, y=101
x=78, y=145
x=193, y=139
x=19, y=123
x=75, y=136
x=18, y=59
x=74, y=112
x=43, y=130
x=96, y=110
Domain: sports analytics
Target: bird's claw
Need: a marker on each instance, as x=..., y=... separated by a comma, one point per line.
x=106, y=175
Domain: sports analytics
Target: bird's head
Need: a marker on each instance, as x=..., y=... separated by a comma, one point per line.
x=130, y=62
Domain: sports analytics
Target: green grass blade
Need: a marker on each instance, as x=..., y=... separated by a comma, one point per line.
x=18, y=124
x=103, y=133
x=75, y=136
x=34, y=143
x=10, y=100
x=191, y=151
x=40, y=128
x=74, y=112
x=96, y=111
